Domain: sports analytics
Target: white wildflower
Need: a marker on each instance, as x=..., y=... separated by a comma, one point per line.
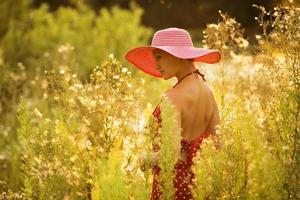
x=124, y=69
x=116, y=77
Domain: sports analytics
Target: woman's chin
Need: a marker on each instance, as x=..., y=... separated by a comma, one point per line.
x=165, y=77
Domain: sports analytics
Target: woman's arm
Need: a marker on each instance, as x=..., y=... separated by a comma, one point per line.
x=214, y=123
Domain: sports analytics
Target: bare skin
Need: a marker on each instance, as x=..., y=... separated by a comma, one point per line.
x=193, y=99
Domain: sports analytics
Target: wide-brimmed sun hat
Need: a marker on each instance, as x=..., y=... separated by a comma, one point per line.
x=175, y=41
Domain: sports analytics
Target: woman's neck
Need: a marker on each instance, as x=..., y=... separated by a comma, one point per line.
x=185, y=69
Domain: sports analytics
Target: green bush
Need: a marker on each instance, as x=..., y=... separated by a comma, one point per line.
x=34, y=39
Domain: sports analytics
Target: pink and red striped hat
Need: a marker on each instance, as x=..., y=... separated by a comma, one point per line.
x=175, y=41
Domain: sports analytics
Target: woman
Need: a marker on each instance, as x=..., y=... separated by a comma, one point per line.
x=172, y=54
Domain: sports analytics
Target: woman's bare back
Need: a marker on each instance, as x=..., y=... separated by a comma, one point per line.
x=196, y=102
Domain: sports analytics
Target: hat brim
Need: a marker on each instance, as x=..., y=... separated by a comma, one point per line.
x=143, y=59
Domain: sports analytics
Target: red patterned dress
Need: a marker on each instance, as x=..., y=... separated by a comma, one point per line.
x=184, y=175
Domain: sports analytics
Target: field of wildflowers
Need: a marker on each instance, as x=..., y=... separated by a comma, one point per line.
x=75, y=116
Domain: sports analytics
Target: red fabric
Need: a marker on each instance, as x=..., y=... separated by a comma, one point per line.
x=183, y=173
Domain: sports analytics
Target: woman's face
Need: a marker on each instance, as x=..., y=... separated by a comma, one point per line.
x=166, y=63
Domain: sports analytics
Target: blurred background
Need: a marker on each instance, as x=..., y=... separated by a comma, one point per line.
x=187, y=14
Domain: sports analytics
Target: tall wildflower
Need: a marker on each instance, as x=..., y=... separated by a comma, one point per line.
x=170, y=136
x=279, y=51
x=115, y=110
x=75, y=139
x=251, y=163
x=110, y=181
x=243, y=168
x=24, y=153
x=226, y=36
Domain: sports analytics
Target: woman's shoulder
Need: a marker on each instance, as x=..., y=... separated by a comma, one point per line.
x=171, y=97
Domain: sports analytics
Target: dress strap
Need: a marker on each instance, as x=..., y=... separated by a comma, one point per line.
x=202, y=75
x=193, y=72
